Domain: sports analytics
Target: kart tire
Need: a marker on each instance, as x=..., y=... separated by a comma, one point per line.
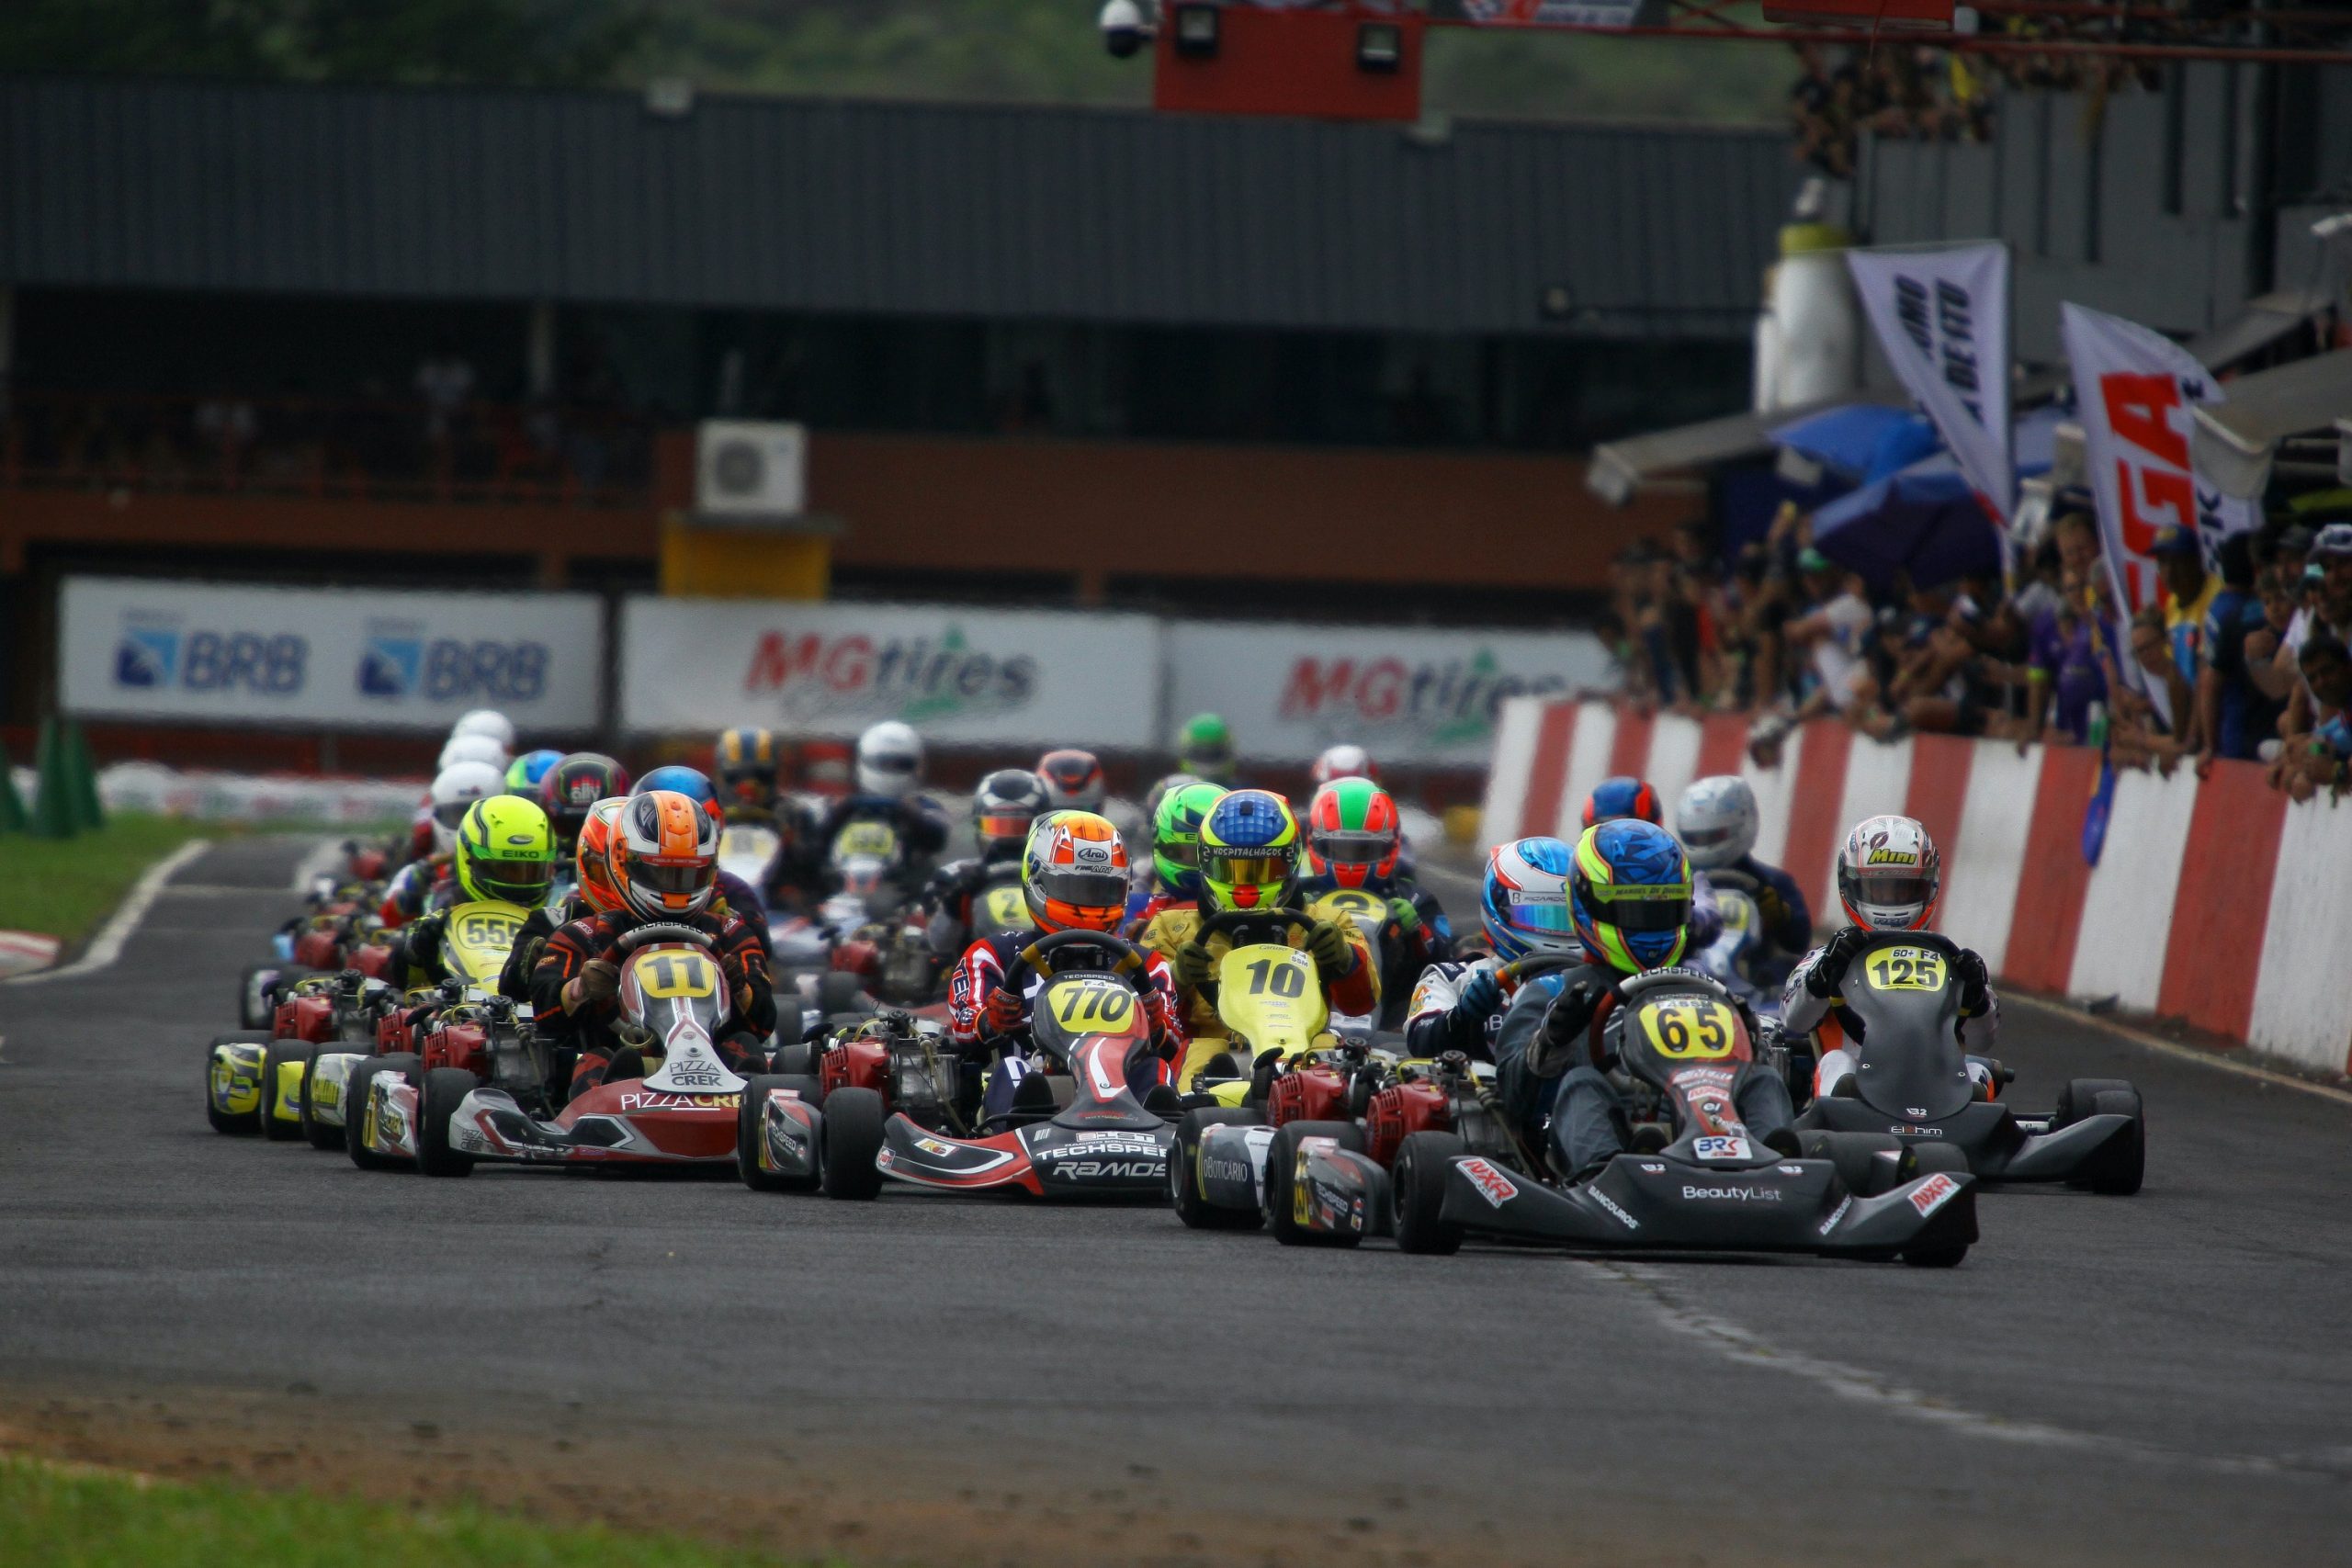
x=2119, y=1168
x=1859, y=1170
x=1418, y=1179
x=233, y=1123
x=281, y=1055
x=357, y=1091
x=1928, y=1158
x=747, y=1131
x=258, y=1013
x=445, y=1089
x=316, y=1133
x=794, y=1059
x=848, y=1138
x=838, y=991
x=1185, y=1172
x=1281, y=1166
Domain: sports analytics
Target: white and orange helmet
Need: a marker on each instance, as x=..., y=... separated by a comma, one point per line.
x=1074, y=872
x=664, y=855
x=1889, y=875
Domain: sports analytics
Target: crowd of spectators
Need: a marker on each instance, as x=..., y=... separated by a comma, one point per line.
x=2244, y=655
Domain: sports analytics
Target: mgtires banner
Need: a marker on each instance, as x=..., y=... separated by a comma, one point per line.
x=956, y=673
x=333, y=658
x=1418, y=696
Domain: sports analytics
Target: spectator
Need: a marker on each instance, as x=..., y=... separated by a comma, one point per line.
x=2234, y=715
x=2315, y=761
x=2070, y=642
x=2190, y=591
x=1831, y=633
x=2327, y=607
x=2156, y=712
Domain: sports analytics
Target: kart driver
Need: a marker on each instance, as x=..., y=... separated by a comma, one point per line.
x=425, y=882
x=735, y=897
x=1073, y=877
x=1717, y=822
x=1175, y=879
x=1623, y=796
x=572, y=789
x=1204, y=748
x=1889, y=878
x=663, y=862
x=1353, y=839
x=889, y=789
x=505, y=851
x=1005, y=805
x=1523, y=910
x=1629, y=898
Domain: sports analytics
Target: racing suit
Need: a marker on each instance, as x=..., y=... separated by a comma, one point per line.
x=921, y=822
x=421, y=885
x=1454, y=1008
x=1356, y=990
x=947, y=895
x=978, y=1028
x=1811, y=1005
x=1147, y=904
x=1787, y=924
x=735, y=897
x=1551, y=1035
x=1406, y=948
x=581, y=1015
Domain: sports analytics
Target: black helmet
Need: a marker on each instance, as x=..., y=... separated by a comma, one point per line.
x=1003, y=806
x=574, y=784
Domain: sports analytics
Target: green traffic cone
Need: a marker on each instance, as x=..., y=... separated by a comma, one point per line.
x=54, y=814
x=89, y=811
x=12, y=805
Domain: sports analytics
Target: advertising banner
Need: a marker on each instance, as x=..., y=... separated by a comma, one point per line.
x=1942, y=319
x=252, y=653
x=956, y=673
x=1405, y=696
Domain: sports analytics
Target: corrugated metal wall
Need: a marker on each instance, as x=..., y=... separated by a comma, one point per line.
x=797, y=205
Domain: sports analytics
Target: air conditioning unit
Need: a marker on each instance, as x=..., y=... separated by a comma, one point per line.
x=749, y=470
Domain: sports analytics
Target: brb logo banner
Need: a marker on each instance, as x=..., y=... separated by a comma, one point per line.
x=329, y=657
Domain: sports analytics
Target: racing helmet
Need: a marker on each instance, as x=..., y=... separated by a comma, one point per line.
x=486, y=721
x=692, y=783
x=505, y=850
x=1248, y=852
x=1889, y=875
x=1619, y=798
x=456, y=787
x=574, y=784
x=1352, y=833
x=523, y=773
x=1715, y=820
x=1342, y=762
x=594, y=856
x=1074, y=872
x=663, y=858
x=746, y=760
x=1204, y=748
x=1176, y=834
x=1005, y=805
x=474, y=749
x=1073, y=780
x=889, y=760
x=1159, y=791
x=1630, y=895
x=1523, y=904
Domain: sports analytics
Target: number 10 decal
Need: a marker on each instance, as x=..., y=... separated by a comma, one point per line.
x=1281, y=976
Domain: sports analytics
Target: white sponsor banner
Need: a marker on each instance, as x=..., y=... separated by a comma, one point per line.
x=1942, y=319
x=254, y=653
x=1405, y=696
x=954, y=673
x=2134, y=389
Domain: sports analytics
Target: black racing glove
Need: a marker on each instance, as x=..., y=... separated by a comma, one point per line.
x=1975, y=986
x=1772, y=907
x=1561, y=1035
x=1826, y=978
x=422, y=943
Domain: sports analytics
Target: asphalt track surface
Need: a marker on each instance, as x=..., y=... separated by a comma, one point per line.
x=2159, y=1379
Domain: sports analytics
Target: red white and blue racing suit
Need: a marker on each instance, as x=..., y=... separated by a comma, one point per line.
x=982, y=969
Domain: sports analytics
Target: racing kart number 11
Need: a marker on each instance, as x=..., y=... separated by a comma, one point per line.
x=1103, y=1002
x=1689, y=1027
x=1906, y=969
x=676, y=974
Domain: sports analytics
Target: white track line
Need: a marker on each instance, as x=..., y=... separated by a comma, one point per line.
x=108, y=945
x=321, y=860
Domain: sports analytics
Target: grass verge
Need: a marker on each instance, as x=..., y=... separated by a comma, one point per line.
x=75, y=1519
x=62, y=887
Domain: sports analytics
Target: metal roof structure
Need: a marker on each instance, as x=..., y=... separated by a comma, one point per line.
x=991, y=212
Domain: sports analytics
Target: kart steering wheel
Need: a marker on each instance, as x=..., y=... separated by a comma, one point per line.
x=1225, y=923
x=1037, y=958
x=629, y=941
x=1519, y=971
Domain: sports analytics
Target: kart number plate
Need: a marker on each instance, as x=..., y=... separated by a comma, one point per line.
x=484, y=929
x=1089, y=1003
x=1906, y=969
x=1004, y=907
x=1690, y=1028
x=667, y=975
x=877, y=839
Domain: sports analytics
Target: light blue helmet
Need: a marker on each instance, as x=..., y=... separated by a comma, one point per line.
x=1524, y=903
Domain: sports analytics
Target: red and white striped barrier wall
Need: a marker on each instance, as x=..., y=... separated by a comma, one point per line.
x=2215, y=901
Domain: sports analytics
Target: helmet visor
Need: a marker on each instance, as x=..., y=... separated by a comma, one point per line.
x=1354, y=849
x=1550, y=915
x=674, y=879
x=1638, y=908
x=1002, y=824
x=1179, y=852
x=1708, y=838
x=449, y=813
x=1899, y=891
x=1248, y=867
x=1086, y=889
x=896, y=763
x=516, y=881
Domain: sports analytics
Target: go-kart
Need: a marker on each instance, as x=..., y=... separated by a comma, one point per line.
x=257, y=1086
x=502, y=1104
x=340, y=931
x=1912, y=1082
x=1076, y=1128
x=1268, y=998
x=817, y=1121
x=1714, y=1187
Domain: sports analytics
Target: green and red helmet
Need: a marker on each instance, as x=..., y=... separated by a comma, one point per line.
x=1351, y=833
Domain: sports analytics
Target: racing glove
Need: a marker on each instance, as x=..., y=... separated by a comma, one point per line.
x=1193, y=964
x=1407, y=919
x=421, y=943
x=1975, y=986
x=1826, y=978
x=1480, y=997
x=1005, y=1012
x=1328, y=945
x=1772, y=907
x=1561, y=1035
x=600, y=980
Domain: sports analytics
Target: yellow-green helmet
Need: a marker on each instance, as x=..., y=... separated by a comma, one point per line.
x=1248, y=852
x=1176, y=834
x=505, y=850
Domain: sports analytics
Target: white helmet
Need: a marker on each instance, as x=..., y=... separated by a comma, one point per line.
x=1344, y=763
x=474, y=749
x=456, y=787
x=1889, y=875
x=889, y=760
x=1716, y=821
x=486, y=721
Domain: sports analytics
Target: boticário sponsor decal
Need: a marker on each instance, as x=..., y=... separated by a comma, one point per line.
x=956, y=673
x=343, y=658
x=1413, y=695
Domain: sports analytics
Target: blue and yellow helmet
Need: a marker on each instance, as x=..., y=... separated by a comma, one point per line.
x=1630, y=895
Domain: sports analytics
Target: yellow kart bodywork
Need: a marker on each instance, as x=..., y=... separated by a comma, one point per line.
x=1269, y=999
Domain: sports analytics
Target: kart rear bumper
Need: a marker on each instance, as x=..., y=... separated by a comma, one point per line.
x=1999, y=1145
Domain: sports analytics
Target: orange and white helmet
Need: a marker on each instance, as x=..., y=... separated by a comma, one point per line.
x=1074, y=872
x=664, y=855
x=1889, y=875
x=594, y=855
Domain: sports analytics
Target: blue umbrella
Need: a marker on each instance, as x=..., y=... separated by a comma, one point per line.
x=1862, y=441
x=1924, y=519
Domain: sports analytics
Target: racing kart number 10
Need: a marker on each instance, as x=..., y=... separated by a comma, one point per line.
x=1102, y=1003
x=1906, y=969
x=1690, y=1027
